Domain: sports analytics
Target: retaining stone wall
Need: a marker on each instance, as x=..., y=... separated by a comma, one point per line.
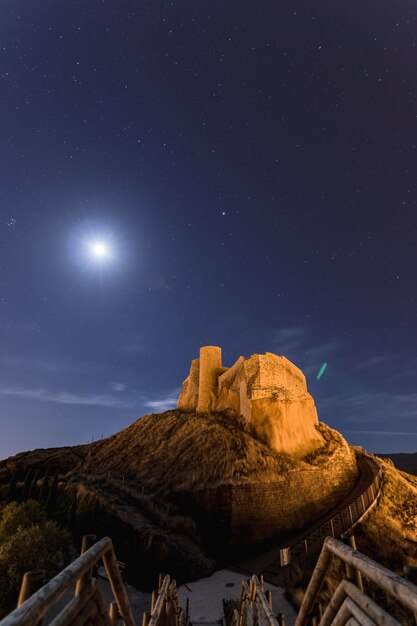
x=255, y=512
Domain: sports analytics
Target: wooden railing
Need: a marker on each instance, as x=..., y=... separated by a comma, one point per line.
x=87, y=604
x=349, y=604
x=165, y=609
x=255, y=606
x=302, y=555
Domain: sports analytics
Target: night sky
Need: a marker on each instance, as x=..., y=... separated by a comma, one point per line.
x=250, y=168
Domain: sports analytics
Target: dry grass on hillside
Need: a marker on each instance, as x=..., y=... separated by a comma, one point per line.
x=186, y=451
x=56, y=459
x=125, y=485
x=183, y=451
x=332, y=442
x=176, y=451
x=143, y=531
x=389, y=532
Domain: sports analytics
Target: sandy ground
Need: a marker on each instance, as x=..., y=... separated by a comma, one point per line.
x=140, y=601
x=206, y=597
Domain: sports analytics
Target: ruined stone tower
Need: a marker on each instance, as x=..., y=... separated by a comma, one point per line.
x=210, y=368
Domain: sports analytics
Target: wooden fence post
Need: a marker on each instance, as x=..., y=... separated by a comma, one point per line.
x=153, y=600
x=114, y=614
x=27, y=484
x=350, y=515
x=187, y=611
x=43, y=495
x=11, y=490
x=34, y=485
x=269, y=597
x=88, y=541
x=358, y=575
x=30, y=583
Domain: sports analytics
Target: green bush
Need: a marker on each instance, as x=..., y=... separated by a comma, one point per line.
x=28, y=541
x=15, y=516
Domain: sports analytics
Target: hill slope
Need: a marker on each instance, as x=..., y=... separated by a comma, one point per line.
x=132, y=485
x=177, y=450
x=389, y=532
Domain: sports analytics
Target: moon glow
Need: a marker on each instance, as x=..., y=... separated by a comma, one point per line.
x=99, y=249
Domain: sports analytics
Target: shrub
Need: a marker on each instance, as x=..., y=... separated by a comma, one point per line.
x=17, y=516
x=28, y=541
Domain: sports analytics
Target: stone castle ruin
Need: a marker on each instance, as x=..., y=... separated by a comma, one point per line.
x=267, y=390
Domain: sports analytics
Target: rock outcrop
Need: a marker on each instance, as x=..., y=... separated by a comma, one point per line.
x=267, y=390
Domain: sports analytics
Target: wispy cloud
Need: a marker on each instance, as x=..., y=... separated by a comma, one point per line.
x=322, y=350
x=27, y=327
x=118, y=386
x=404, y=374
x=384, y=421
x=381, y=407
x=46, y=364
x=132, y=345
x=164, y=403
x=296, y=343
x=65, y=397
x=372, y=361
x=289, y=339
x=398, y=433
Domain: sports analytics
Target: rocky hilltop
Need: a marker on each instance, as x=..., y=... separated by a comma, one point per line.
x=241, y=461
x=177, y=489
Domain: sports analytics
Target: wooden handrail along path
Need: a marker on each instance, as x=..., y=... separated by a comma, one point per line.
x=255, y=606
x=165, y=608
x=87, y=605
x=349, y=604
x=302, y=554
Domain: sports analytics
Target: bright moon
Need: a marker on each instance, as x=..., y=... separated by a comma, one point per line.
x=97, y=250
x=100, y=250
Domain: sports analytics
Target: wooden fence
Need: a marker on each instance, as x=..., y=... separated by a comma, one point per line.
x=301, y=556
x=165, y=609
x=349, y=604
x=87, y=604
x=255, y=606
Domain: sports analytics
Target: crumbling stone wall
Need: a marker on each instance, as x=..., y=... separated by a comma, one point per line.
x=269, y=392
x=189, y=394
